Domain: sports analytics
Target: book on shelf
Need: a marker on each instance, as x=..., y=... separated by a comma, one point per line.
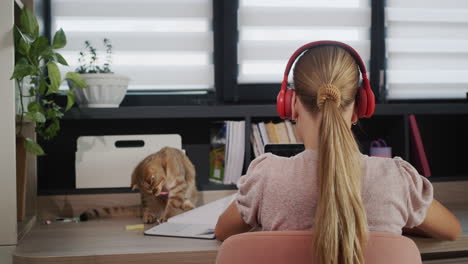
x=254, y=145
x=263, y=133
x=227, y=152
x=282, y=133
x=256, y=140
x=291, y=132
x=418, y=155
x=217, y=152
x=272, y=133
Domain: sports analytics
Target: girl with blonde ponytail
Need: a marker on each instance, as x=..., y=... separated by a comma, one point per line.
x=331, y=187
x=340, y=212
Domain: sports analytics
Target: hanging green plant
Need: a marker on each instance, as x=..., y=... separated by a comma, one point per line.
x=36, y=66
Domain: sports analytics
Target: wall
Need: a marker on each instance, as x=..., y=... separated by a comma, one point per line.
x=7, y=129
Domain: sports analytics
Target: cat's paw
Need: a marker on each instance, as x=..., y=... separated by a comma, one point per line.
x=163, y=219
x=149, y=218
x=187, y=205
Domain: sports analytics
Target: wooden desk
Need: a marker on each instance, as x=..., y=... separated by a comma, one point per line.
x=435, y=249
x=107, y=241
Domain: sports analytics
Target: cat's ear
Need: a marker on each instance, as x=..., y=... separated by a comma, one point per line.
x=134, y=187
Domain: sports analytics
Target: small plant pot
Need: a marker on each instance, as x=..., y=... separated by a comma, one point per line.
x=104, y=90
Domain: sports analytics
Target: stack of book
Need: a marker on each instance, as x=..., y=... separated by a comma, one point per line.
x=272, y=133
x=227, y=152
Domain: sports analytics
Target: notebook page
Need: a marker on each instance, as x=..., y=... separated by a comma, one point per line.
x=207, y=214
x=182, y=230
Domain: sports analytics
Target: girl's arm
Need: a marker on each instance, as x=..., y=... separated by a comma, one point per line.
x=439, y=223
x=230, y=223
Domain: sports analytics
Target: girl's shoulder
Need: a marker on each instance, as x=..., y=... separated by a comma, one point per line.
x=396, y=170
x=395, y=163
x=266, y=161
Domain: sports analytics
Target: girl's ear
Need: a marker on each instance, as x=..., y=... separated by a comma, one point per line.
x=294, y=112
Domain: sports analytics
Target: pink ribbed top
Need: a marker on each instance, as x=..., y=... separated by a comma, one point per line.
x=279, y=193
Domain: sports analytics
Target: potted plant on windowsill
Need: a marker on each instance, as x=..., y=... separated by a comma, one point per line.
x=105, y=88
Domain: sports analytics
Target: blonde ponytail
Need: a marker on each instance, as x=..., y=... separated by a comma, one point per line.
x=326, y=80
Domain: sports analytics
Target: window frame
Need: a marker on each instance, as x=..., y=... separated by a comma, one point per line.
x=225, y=60
x=266, y=93
x=165, y=97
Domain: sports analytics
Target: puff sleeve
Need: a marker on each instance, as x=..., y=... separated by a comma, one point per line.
x=251, y=187
x=419, y=193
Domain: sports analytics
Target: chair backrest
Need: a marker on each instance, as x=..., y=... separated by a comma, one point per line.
x=274, y=247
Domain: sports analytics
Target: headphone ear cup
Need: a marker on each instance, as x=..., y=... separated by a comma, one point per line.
x=361, y=103
x=288, y=103
x=370, y=102
x=280, y=101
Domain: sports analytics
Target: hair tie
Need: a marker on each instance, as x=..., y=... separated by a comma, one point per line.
x=328, y=92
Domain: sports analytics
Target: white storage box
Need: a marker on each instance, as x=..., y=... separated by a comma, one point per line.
x=108, y=161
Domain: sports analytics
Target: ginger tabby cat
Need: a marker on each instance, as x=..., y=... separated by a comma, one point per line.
x=165, y=178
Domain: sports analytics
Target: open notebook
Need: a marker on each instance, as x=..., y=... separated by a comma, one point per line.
x=196, y=223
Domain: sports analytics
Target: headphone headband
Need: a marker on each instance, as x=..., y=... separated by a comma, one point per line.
x=315, y=44
x=365, y=97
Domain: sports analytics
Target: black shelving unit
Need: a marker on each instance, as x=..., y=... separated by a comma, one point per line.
x=241, y=111
x=439, y=124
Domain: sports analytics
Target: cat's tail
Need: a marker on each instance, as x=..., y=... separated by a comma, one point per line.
x=94, y=213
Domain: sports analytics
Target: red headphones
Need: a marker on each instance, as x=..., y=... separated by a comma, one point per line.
x=365, y=100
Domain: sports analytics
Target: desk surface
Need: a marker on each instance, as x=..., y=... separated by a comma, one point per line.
x=107, y=241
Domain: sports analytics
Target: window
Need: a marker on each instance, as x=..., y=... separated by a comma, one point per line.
x=162, y=45
x=271, y=30
x=427, y=49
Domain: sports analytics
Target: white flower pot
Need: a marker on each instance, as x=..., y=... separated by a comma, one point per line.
x=104, y=90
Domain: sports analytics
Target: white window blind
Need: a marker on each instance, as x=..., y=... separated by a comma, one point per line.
x=427, y=49
x=271, y=30
x=160, y=44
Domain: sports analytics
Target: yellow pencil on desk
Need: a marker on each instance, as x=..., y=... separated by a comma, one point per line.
x=135, y=227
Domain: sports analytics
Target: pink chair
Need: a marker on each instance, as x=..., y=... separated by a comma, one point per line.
x=274, y=247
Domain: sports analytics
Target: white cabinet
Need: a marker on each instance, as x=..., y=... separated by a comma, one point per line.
x=8, y=235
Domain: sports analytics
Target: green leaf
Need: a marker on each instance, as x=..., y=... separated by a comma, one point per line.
x=70, y=100
x=52, y=130
x=23, y=61
x=20, y=34
x=32, y=147
x=48, y=54
x=23, y=47
x=34, y=107
x=22, y=70
x=36, y=116
x=76, y=79
x=43, y=86
x=61, y=59
x=29, y=22
x=54, y=113
x=22, y=41
x=40, y=47
x=60, y=40
x=55, y=78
